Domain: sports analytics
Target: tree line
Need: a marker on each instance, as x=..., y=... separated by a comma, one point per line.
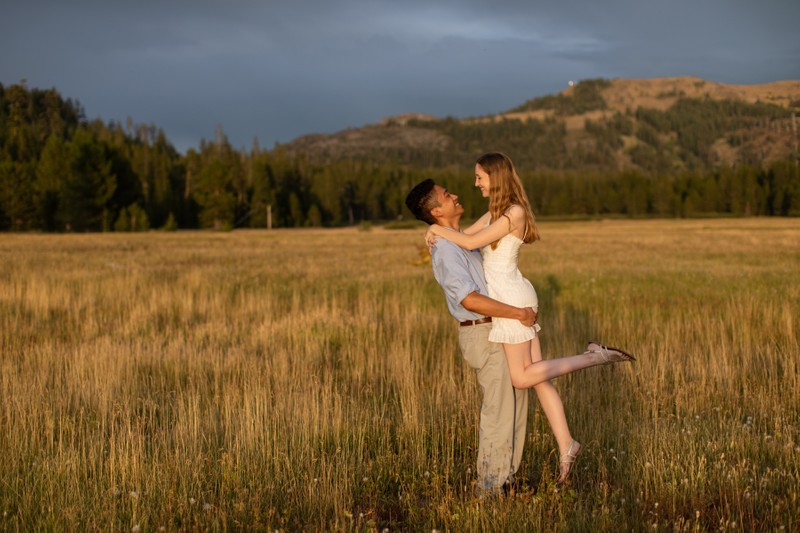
x=60, y=172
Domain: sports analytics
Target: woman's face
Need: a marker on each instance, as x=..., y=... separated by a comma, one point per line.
x=482, y=181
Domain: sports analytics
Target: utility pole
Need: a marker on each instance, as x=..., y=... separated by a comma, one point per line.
x=794, y=133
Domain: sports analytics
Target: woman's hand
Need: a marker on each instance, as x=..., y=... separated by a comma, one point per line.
x=430, y=237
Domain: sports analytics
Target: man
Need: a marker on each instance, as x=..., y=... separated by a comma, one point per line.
x=460, y=273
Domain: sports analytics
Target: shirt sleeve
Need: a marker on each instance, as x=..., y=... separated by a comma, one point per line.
x=451, y=270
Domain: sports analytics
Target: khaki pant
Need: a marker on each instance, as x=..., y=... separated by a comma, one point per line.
x=504, y=413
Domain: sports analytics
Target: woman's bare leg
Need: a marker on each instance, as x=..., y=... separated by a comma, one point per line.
x=528, y=369
x=527, y=356
x=527, y=372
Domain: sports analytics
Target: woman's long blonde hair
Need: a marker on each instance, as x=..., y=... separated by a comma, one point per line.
x=506, y=190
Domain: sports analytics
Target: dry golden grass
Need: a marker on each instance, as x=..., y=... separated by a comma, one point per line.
x=311, y=379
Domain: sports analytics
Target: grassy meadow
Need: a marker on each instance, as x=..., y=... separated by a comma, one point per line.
x=311, y=379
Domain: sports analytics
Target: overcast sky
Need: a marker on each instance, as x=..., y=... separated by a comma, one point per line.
x=278, y=69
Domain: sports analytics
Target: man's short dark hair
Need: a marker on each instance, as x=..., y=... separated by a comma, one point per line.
x=421, y=200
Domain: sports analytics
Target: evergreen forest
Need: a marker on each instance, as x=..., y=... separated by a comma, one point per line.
x=60, y=172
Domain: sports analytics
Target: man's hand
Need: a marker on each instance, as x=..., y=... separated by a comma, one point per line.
x=529, y=317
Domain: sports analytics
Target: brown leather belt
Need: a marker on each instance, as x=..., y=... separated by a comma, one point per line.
x=484, y=320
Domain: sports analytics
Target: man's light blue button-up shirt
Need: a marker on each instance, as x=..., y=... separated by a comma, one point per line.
x=459, y=272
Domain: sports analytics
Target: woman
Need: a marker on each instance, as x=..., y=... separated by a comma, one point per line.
x=500, y=233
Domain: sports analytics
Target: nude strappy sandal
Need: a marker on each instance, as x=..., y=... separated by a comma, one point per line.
x=569, y=459
x=607, y=353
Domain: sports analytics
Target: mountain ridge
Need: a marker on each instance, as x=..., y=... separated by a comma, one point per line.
x=753, y=124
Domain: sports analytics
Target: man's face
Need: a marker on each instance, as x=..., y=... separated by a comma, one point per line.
x=448, y=204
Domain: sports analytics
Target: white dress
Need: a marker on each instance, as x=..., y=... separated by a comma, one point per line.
x=506, y=284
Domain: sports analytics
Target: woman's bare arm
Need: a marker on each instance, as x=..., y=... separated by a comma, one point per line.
x=497, y=230
x=479, y=224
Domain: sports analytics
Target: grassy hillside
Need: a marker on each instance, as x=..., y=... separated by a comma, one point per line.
x=662, y=125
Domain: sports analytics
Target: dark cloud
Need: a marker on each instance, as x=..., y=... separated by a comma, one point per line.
x=280, y=69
